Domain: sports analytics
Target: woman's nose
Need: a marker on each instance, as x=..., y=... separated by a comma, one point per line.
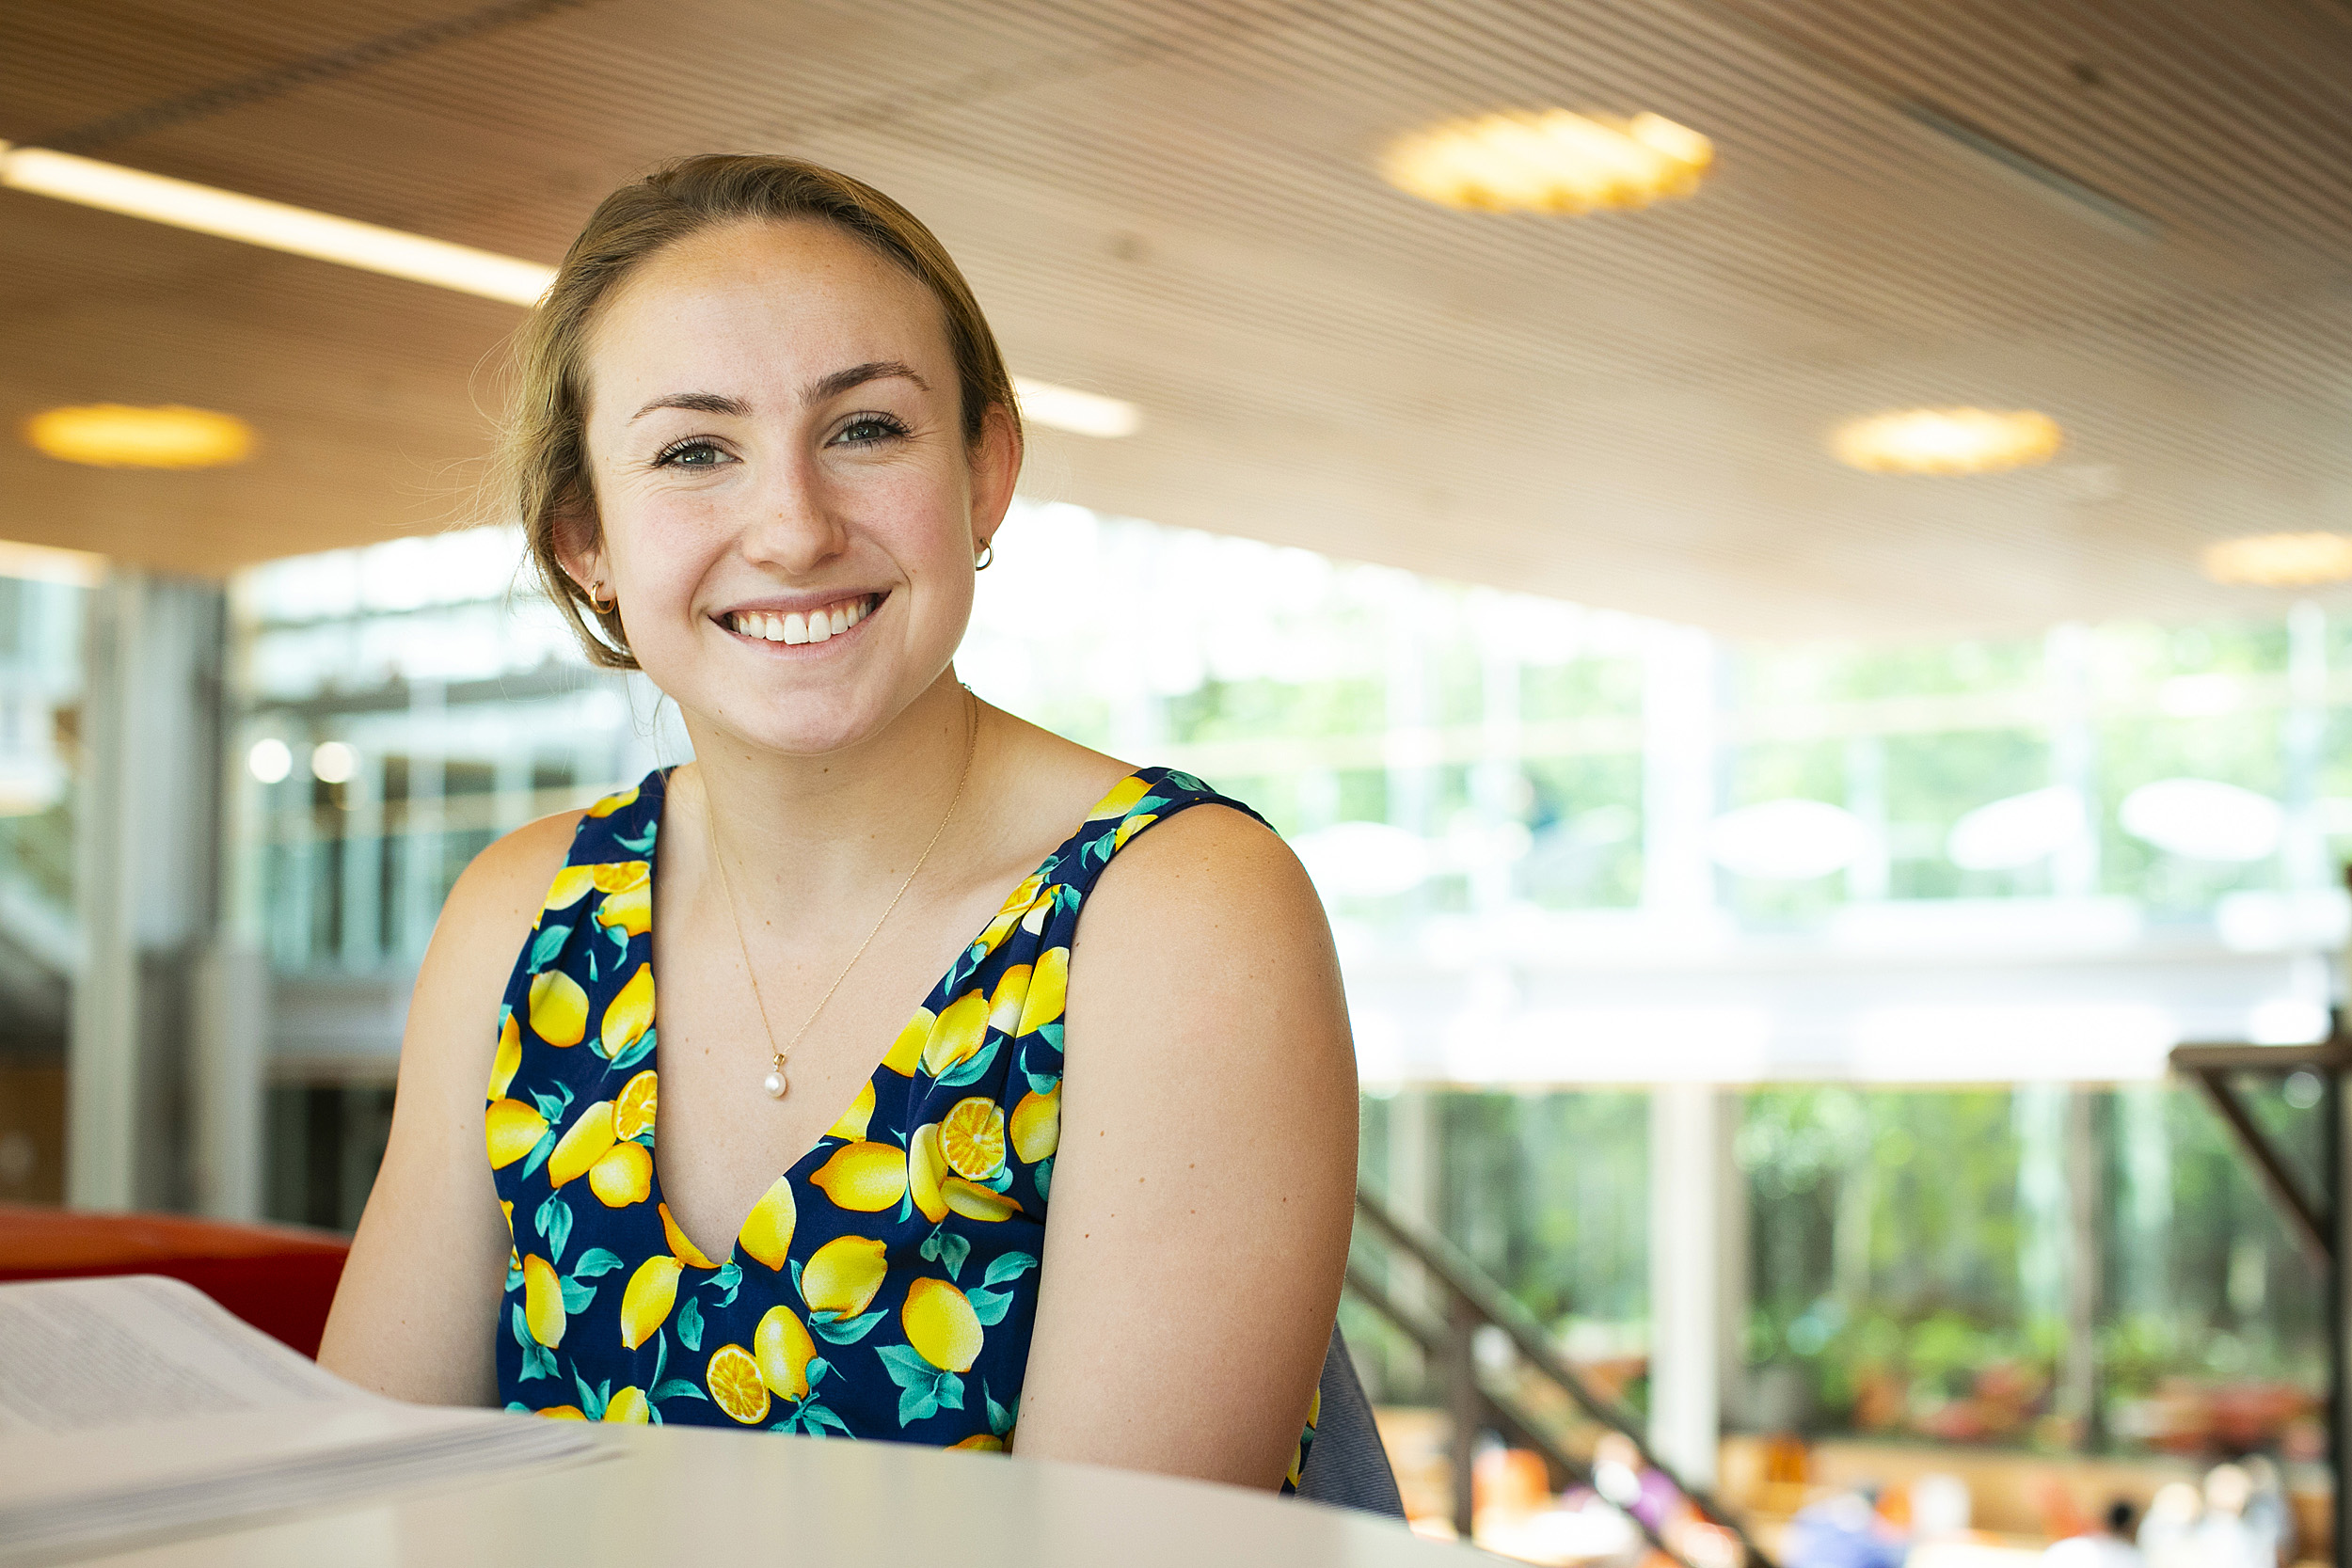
x=793, y=526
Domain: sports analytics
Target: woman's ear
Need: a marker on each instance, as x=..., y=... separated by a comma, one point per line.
x=579, y=546
x=995, y=470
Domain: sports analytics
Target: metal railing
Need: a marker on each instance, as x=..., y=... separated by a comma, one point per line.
x=1472, y=1302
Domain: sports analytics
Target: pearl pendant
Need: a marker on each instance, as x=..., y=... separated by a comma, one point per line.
x=775, y=1085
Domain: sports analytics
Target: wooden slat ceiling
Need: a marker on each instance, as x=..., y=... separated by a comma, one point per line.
x=1177, y=204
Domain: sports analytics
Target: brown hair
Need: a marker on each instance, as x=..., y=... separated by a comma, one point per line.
x=543, y=468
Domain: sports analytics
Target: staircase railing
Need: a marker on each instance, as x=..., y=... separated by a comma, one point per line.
x=1472, y=1301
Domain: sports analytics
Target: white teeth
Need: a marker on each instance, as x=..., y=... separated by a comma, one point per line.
x=818, y=625
x=819, y=628
x=771, y=627
x=795, y=629
x=840, y=621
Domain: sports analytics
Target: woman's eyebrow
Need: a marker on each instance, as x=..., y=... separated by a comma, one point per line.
x=695, y=403
x=858, y=376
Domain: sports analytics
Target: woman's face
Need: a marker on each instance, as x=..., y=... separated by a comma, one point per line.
x=788, y=509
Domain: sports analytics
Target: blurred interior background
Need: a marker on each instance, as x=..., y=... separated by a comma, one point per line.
x=1775, y=859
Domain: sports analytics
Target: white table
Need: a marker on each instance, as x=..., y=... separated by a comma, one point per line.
x=700, y=1498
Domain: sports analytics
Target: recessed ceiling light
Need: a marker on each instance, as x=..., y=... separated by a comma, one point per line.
x=115, y=436
x=1549, y=161
x=184, y=204
x=1080, y=413
x=1948, y=440
x=2280, y=559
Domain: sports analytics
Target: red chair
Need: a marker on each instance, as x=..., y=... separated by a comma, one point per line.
x=278, y=1278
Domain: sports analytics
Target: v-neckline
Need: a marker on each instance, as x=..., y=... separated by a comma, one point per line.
x=659, y=811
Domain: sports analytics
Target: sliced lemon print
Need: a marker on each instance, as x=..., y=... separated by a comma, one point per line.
x=980, y=1442
x=621, y=875
x=783, y=1349
x=633, y=1107
x=927, y=1168
x=645, y=1304
x=570, y=886
x=563, y=1413
x=1120, y=801
x=622, y=1175
x=1128, y=829
x=1049, y=990
x=611, y=803
x=962, y=1029
x=581, y=1148
x=510, y=1056
x=975, y=1202
x=851, y=1123
x=907, y=1050
x=628, y=1014
x=940, y=1326
x=842, y=1275
x=862, y=1176
x=1037, y=1125
x=971, y=1135
x=514, y=1130
x=733, y=1379
x=543, y=1301
x=559, y=1008
x=686, y=1251
x=631, y=909
x=629, y=1404
x=1004, y=1009
x=767, y=1232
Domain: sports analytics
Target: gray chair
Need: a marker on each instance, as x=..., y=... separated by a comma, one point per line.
x=1347, y=1467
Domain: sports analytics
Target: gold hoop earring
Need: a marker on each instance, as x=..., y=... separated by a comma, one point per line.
x=602, y=606
x=987, y=558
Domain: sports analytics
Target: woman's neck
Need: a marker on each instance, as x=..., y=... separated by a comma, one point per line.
x=815, y=835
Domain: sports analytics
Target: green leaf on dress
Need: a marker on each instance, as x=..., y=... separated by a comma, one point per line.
x=634, y=1054
x=576, y=1295
x=847, y=1332
x=727, y=1281
x=596, y=1263
x=689, y=1324
x=643, y=843
x=591, y=1399
x=953, y=1250
x=989, y=1306
x=1043, y=1177
x=973, y=1067
x=551, y=942
x=678, y=1389
x=999, y=1418
x=1012, y=1265
x=553, y=1220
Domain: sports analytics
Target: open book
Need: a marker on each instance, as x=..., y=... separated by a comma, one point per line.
x=135, y=1405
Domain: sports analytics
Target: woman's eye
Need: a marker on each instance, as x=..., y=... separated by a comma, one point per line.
x=690, y=454
x=866, y=429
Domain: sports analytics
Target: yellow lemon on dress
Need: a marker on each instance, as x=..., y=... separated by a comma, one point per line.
x=733, y=1379
x=975, y=1202
x=1036, y=1124
x=633, y=1107
x=1128, y=829
x=971, y=1135
x=961, y=1028
x=513, y=1258
x=621, y=875
x=980, y=1442
x=622, y=1175
x=1049, y=990
x=611, y=803
x=1033, y=922
x=581, y=1148
x=767, y=1232
x=1010, y=915
x=852, y=1122
x=563, y=1413
x=629, y=1404
x=843, y=1274
x=1120, y=801
x=570, y=886
x=940, y=1326
x=543, y=1301
x=628, y=1014
x=559, y=1008
x=686, y=1251
x=1004, y=1009
x=510, y=1056
x=631, y=910
x=645, y=1304
x=907, y=1050
x=783, y=1349
x=927, y=1168
x=864, y=1176
x=514, y=1129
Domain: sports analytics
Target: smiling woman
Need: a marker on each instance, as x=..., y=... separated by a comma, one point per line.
x=999, y=1092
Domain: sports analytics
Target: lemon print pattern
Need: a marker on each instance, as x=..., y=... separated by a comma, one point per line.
x=884, y=1285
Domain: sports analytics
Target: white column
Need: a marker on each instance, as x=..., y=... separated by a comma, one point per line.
x=1686, y=1194
x=1677, y=771
x=2074, y=754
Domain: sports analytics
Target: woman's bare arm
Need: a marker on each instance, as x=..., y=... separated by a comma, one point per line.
x=417, y=1311
x=1205, y=1182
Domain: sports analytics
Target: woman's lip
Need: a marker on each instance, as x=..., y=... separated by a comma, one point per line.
x=788, y=604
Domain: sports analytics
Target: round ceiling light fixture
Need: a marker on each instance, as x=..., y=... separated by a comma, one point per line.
x=1948, y=440
x=2280, y=559
x=1549, y=161
x=117, y=436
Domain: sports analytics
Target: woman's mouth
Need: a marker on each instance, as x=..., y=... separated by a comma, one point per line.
x=820, y=625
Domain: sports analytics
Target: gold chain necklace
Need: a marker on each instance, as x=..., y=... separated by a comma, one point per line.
x=777, y=1083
